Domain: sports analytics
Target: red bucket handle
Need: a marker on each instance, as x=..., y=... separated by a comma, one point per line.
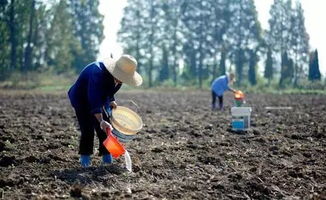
x=109, y=132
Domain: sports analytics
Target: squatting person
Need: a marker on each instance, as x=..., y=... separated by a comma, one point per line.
x=93, y=94
x=219, y=86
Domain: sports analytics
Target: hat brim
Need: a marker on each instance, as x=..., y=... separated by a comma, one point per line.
x=134, y=79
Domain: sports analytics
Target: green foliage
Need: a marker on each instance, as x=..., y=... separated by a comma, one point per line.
x=87, y=28
x=187, y=77
x=60, y=40
x=204, y=34
x=263, y=86
x=131, y=34
x=164, y=71
x=245, y=37
x=210, y=37
x=46, y=80
x=269, y=71
x=4, y=62
x=167, y=83
x=142, y=34
x=312, y=85
x=299, y=44
x=278, y=36
x=286, y=70
x=57, y=36
x=287, y=35
x=222, y=70
x=252, y=68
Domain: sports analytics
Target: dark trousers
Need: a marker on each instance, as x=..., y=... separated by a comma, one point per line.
x=88, y=123
x=220, y=100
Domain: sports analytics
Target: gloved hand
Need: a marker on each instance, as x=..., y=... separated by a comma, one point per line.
x=105, y=125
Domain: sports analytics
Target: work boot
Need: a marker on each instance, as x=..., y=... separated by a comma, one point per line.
x=85, y=160
x=107, y=159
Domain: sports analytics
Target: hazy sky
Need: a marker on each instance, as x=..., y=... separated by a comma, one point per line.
x=314, y=11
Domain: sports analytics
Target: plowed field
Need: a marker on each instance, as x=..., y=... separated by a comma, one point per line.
x=185, y=151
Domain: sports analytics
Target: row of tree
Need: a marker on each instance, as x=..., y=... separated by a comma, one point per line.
x=61, y=35
x=187, y=42
x=211, y=37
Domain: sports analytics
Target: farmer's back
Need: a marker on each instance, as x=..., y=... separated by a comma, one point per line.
x=220, y=85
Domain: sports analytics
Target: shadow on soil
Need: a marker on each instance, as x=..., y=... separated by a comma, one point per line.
x=87, y=175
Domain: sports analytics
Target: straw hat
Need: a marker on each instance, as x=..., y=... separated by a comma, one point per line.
x=231, y=77
x=124, y=69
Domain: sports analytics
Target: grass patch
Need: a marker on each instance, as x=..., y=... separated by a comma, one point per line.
x=45, y=81
x=49, y=82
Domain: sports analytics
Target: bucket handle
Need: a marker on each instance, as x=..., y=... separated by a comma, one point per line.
x=132, y=102
x=108, y=111
x=109, y=132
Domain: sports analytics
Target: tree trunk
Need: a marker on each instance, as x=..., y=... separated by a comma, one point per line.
x=150, y=68
x=214, y=69
x=29, y=48
x=150, y=78
x=174, y=64
x=200, y=67
x=12, y=36
x=151, y=37
x=297, y=71
x=239, y=66
x=239, y=59
x=174, y=48
x=137, y=43
x=222, y=63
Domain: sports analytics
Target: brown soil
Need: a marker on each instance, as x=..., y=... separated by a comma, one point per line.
x=185, y=150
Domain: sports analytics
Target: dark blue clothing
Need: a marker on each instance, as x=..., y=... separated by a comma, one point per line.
x=94, y=88
x=220, y=85
x=88, y=123
x=220, y=101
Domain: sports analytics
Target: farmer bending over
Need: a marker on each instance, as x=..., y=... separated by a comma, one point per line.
x=219, y=86
x=92, y=95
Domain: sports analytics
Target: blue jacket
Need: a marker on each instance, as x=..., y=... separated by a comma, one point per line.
x=94, y=88
x=220, y=85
